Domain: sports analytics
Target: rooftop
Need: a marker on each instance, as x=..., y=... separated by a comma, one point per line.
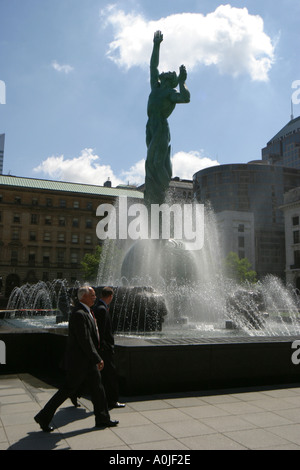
x=290, y=128
x=33, y=183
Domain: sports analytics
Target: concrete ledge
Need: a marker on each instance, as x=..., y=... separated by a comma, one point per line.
x=210, y=364
x=32, y=350
x=148, y=366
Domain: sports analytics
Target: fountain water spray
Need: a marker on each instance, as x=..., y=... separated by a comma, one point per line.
x=200, y=300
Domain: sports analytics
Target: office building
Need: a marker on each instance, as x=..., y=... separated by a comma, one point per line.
x=46, y=227
x=246, y=199
x=284, y=148
x=2, y=139
x=291, y=210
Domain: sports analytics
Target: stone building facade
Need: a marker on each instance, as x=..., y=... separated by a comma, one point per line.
x=46, y=228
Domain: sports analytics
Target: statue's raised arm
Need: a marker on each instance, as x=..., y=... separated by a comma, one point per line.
x=154, y=61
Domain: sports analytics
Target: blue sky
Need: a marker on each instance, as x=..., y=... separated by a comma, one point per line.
x=77, y=83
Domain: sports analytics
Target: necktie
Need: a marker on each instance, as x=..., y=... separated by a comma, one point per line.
x=98, y=336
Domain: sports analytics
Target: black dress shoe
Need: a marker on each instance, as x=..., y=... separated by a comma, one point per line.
x=116, y=405
x=44, y=426
x=107, y=424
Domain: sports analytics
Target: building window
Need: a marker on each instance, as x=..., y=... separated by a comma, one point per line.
x=88, y=223
x=31, y=259
x=46, y=276
x=295, y=220
x=16, y=219
x=296, y=236
x=74, y=258
x=17, y=200
x=32, y=236
x=75, y=238
x=62, y=222
x=48, y=202
x=61, y=238
x=62, y=203
x=76, y=204
x=297, y=258
x=241, y=228
x=34, y=201
x=60, y=256
x=15, y=235
x=34, y=219
x=89, y=206
x=47, y=237
x=241, y=242
x=75, y=223
x=46, y=259
x=88, y=239
x=48, y=220
x=14, y=258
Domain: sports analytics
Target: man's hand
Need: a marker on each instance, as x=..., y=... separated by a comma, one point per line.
x=100, y=365
x=182, y=74
x=158, y=37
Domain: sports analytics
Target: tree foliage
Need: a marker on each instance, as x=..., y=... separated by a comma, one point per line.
x=90, y=265
x=239, y=269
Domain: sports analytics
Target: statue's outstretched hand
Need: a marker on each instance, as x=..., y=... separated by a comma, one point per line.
x=158, y=37
x=182, y=74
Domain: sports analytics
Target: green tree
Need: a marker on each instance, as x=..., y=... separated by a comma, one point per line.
x=239, y=269
x=90, y=264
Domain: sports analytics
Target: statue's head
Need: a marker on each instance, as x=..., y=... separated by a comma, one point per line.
x=169, y=78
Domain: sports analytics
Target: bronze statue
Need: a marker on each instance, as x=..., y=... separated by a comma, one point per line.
x=162, y=101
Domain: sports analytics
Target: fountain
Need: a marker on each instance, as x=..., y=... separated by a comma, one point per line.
x=162, y=286
x=39, y=305
x=215, y=332
x=179, y=322
x=200, y=301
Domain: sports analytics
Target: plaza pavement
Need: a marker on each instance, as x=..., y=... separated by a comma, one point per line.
x=265, y=418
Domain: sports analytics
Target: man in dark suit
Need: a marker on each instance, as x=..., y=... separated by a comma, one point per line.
x=107, y=344
x=83, y=364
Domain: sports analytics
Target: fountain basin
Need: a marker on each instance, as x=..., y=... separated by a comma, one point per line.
x=161, y=365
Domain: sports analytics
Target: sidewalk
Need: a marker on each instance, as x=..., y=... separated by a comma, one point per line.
x=264, y=419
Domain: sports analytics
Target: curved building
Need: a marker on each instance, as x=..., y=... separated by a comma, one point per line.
x=284, y=148
x=246, y=199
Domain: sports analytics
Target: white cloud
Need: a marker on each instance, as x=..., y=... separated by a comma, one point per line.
x=82, y=169
x=229, y=38
x=86, y=169
x=62, y=68
x=136, y=173
x=185, y=164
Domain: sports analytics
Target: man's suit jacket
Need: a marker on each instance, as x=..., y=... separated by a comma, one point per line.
x=82, y=346
x=105, y=327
